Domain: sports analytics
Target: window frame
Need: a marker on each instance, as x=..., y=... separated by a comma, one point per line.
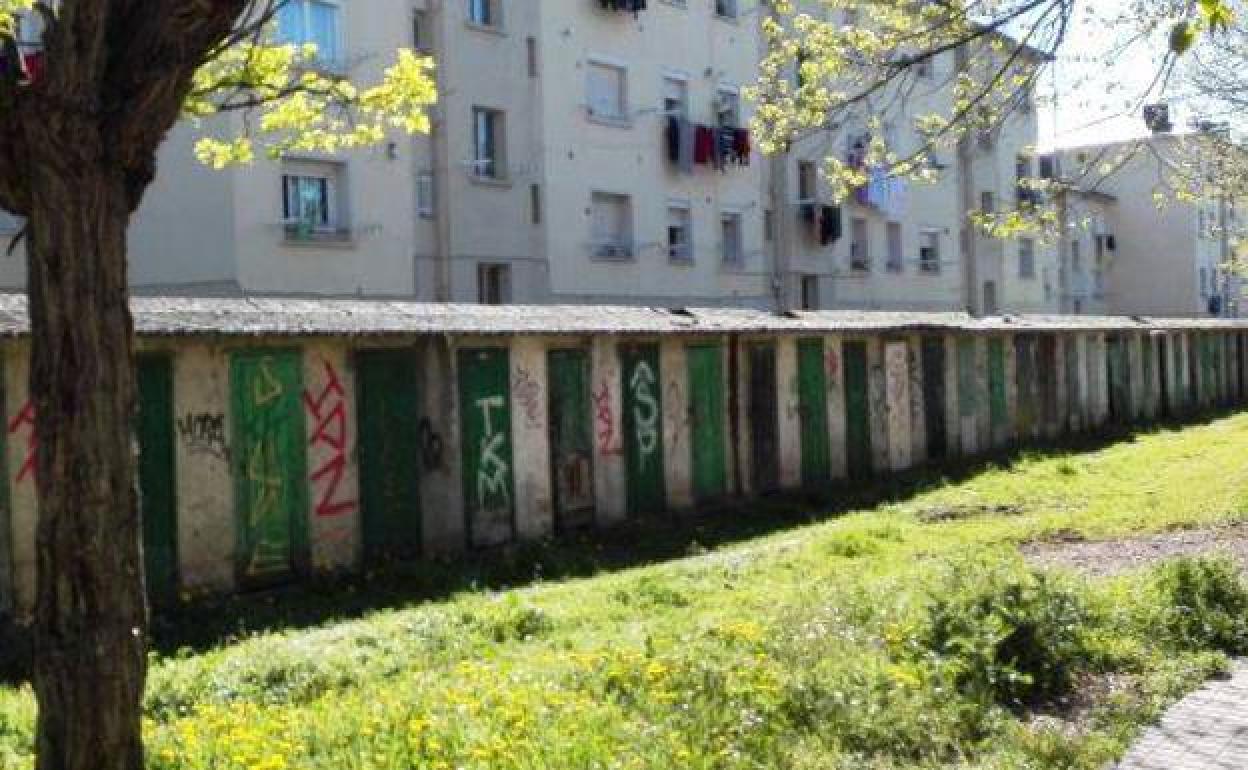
x=491, y=168
x=335, y=63
x=686, y=211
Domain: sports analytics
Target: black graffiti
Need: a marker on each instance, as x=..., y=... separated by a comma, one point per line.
x=204, y=434
x=431, y=447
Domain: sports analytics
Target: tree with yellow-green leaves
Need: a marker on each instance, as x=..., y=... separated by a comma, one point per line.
x=847, y=68
x=89, y=90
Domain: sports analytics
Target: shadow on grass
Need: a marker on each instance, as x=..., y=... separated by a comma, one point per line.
x=645, y=540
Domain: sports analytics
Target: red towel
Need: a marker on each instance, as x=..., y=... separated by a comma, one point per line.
x=703, y=145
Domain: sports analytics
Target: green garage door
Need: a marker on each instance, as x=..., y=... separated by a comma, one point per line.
x=812, y=395
x=485, y=414
x=388, y=407
x=643, y=428
x=270, y=464
x=157, y=482
x=706, y=413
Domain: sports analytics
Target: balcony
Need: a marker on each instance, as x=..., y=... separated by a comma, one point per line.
x=304, y=233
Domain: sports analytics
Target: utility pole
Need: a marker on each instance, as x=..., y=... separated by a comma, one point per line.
x=966, y=190
x=782, y=215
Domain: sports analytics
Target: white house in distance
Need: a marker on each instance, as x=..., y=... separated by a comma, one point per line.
x=1131, y=248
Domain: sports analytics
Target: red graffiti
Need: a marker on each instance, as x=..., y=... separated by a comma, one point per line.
x=25, y=422
x=833, y=364
x=608, y=441
x=329, y=410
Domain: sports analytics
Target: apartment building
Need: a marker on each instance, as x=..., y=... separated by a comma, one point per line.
x=587, y=151
x=1131, y=246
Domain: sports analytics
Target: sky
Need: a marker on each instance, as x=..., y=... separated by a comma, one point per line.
x=1099, y=87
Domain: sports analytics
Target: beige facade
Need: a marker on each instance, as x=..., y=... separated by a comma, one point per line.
x=1131, y=248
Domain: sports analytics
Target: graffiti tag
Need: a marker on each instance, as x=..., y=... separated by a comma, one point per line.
x=608, y=441
x=529, y=395
x=492, y=473
x=645, y=411
x=329, y=411
x=431, y=445
x=24, y=424
x=204, y=434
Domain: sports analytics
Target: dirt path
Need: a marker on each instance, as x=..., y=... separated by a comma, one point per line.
x=1111, y=557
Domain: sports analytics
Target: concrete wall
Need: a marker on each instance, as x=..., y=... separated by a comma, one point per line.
x=207, y=511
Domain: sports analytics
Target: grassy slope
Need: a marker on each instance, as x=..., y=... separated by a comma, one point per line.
x=765, y=653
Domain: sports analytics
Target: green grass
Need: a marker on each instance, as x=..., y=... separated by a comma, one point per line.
x=904, y=635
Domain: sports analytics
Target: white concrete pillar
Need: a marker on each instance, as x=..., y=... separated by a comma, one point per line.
x=334, y=515
x=897, y=404
x=789, y=432
x=207, y=508
x=833, y=361
x=676, y=435
x=530, y=430
x=610, y=455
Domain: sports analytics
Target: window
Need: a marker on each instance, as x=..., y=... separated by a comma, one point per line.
x=987, y=202
x=425, y=195
x=311, y=200
x=810, y=292
x=990, y=298
x=894, y=264
x=807, y=182
x=679, y=233
x=485, y=13
x=925, y=68
x=611, y=226
x=488, y=143
x=730, y=235
x=530, y=49
x=1022, y=167
x=1076, y=256
x=493, y=284
x=1026, y=258
x=1100, y=250
x=312, y=22
x=769, y=225
x=608, y=98
x=1204, y=282
x=9, y=223
x=850, y=17
x=929, y=251
x=535, y=204
x=422, y=34
x=859, y=251
x=726, y=9
x=675, y=97
x=727, y=108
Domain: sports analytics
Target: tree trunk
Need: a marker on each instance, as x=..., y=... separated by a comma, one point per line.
x=91, y=618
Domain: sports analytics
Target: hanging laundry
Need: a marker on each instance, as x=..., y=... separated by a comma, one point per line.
x=725, y=147
x=703, y=145
x=671, y=136
x=830, y=225
x=877, y=188
x=741, y=145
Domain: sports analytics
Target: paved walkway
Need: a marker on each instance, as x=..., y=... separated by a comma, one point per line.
x=1207, y=731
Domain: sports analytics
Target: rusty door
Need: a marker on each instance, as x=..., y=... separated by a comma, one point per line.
x=812, y=397
x=571, y=439
x=388, y=406
x=933, y=367
x=857, y=409
x=764, y=417
x=485, y=430
x=643, y=428
x=270, y=464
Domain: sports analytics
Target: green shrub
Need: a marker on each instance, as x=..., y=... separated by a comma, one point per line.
x=1204, y=604
x=1000, y=633
x=508, y=618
